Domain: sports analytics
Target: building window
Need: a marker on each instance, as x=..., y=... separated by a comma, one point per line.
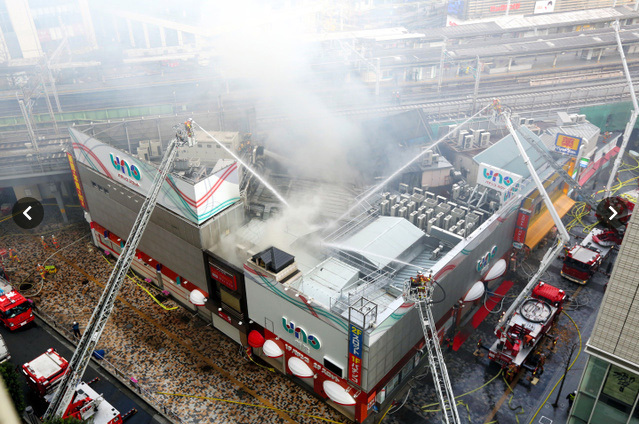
x=209, y=146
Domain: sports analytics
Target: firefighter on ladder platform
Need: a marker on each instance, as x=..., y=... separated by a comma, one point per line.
x=497, y=106
x=188, y=125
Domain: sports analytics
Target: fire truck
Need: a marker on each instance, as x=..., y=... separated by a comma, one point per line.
x=15, y=310
x=584, y=259
x=45, y=372
x=527, y=325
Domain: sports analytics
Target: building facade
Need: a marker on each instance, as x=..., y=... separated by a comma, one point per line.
x=609, y=387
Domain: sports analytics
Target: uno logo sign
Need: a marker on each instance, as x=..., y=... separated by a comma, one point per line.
x=491, y=175
x=124, y=168
x=300, y=334
x=485, y=260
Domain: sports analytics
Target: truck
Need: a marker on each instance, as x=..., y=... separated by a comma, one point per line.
x=44, y=375
x=584, y=259
x=15, y=309
x=45, y=372
x=528, y=324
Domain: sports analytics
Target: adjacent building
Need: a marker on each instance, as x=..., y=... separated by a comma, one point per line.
x=609, y=387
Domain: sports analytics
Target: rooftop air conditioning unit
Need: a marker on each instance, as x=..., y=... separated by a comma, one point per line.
x=156, y=148
x=403, y=188
x=461, y=137
x=530, y=121
x=485, y=139
x=573, y=118
x=522, y=121
x=581, y=118
x=456, y=190
x=468, y=141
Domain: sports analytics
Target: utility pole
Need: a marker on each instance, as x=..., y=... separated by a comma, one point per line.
x=563, y=379
x=441, y=66
x=477, y=77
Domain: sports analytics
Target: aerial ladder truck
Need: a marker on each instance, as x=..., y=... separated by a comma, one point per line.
x=423, y=297
x=538, y=305
x=62, y=399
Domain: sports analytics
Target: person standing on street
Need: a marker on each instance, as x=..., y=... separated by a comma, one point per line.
x=76, y=329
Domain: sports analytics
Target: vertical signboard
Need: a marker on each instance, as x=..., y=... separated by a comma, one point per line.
x=355, y=345
x=76, y=181
x=521, y=228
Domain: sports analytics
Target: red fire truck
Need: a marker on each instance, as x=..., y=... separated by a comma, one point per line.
x=15, y=310
x=532, y=319
x=584, y=259
x=44, y=372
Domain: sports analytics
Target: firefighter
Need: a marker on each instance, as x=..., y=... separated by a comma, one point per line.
x=497, y=105
x=188, y=124
x=54, y=241
x=42, y=270
x=13, y=256
x=44, y=243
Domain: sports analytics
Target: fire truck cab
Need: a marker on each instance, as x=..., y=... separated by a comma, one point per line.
x=584, y=259
x=15, y=310
x=532, y=319
x=44, y=372
x=88, y=404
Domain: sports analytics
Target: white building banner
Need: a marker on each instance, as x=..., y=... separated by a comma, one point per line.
x=544, y=6
x=196, y=202
x=495, y=178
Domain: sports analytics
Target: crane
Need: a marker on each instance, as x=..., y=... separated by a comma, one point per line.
x=82, y=355
x=423, y=298
x=564, y=238
x=633, y=115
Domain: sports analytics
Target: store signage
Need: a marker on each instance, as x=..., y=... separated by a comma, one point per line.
x=225, y=317
x=621, y=385
x=126, y=170
x=300, y=334
x=583, y=162
x=483, y=263
x=503, y=7
x=76, y=181
x=495, y=178
x=225, y=278
x=567, y=145
x=355, y=346
x=544, y=6
x=195, y=201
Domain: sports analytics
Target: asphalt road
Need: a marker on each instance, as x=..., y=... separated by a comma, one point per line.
x=31, y=341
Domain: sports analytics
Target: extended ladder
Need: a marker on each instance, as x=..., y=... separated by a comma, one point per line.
x=422, y=296
x=82, y=355
x=559, y=170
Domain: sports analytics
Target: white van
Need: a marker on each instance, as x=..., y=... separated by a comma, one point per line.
x=4, y=351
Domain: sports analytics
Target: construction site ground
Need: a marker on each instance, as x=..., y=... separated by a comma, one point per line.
x=196, y=374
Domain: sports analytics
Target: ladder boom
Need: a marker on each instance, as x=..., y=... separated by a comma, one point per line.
x=422, y=296
x=95, y=327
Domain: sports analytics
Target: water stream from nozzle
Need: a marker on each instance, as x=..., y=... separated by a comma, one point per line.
x=248, y=168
